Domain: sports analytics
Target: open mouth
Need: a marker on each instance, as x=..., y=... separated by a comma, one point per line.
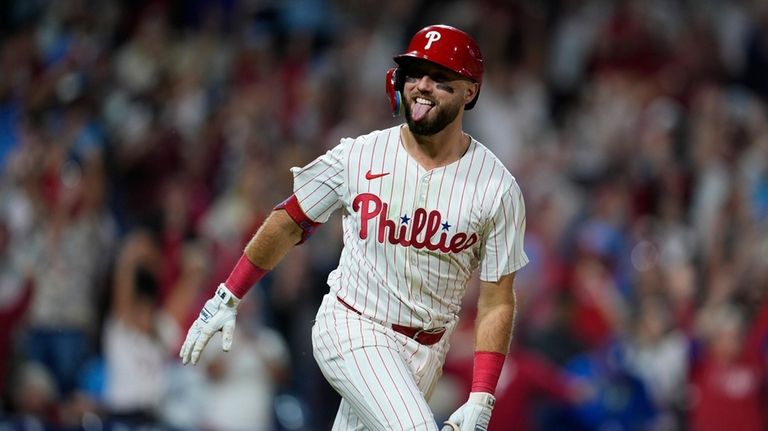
x=420, y=108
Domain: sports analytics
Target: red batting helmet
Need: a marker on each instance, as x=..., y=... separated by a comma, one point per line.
x=443, y=45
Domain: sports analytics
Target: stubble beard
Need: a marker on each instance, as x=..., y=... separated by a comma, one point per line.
x=426, y=127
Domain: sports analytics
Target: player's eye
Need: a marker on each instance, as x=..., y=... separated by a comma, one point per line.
x=417, y=75
x=414, y=75
x=409, y=77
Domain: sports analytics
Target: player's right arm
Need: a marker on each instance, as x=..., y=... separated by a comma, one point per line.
x=274, y=239
x=319, y=188
x=276, y=236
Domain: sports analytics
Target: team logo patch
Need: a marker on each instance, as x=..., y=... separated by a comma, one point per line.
x=432, y=37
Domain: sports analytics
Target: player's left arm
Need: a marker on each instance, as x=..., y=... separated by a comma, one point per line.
x=503, y=256
x=495, y=315
x=493, y=333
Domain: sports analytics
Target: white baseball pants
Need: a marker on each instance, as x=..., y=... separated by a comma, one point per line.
x=383, y=377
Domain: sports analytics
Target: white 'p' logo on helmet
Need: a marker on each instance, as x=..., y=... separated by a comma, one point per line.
x=432, y=36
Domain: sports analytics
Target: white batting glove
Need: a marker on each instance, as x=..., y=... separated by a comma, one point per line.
x=218, y=314
x=474, y=415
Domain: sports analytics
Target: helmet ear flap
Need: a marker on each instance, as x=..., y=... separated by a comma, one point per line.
x=394, y=86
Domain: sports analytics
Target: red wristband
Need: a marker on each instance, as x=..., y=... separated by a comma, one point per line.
x=244, y=275
x=486, y=371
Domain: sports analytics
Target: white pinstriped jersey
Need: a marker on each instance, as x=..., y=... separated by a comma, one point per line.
x=413, y=237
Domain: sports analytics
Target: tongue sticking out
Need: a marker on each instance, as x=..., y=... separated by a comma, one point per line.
x=420, y=111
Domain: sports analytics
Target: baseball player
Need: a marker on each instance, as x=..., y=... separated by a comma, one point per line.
x=424, y=205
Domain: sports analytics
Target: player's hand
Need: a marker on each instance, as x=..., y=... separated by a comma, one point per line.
x=474, y=415
x=218, y=314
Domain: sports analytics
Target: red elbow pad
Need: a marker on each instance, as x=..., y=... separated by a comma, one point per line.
x=292, y=207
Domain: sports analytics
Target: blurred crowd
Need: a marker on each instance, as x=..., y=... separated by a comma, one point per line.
x=142, y=143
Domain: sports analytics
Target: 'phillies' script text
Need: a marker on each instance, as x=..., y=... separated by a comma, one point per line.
x=370, y=206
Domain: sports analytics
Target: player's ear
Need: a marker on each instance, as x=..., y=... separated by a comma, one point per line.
x=470, y=91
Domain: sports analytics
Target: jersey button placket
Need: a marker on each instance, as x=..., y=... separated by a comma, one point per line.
x=423, y=187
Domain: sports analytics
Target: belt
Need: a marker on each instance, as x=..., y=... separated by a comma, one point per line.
x=423, y=336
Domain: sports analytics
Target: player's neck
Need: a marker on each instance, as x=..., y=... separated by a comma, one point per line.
x=440, y=149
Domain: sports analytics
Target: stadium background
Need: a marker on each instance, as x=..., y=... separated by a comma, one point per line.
x=141, y=142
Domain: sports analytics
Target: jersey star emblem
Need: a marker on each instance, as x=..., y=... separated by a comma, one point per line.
x=446, y=226
x=404, y=219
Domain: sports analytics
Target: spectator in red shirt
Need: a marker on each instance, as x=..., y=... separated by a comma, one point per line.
x=726, y=382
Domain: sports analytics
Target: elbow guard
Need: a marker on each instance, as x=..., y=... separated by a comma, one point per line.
x=292, y=207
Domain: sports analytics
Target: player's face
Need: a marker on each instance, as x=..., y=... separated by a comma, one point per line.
x=434, y=97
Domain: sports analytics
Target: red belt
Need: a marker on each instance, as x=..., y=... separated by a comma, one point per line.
x=426, y=337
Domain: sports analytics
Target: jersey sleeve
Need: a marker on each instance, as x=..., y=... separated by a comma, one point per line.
x=502, y=251
x=319, y=186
